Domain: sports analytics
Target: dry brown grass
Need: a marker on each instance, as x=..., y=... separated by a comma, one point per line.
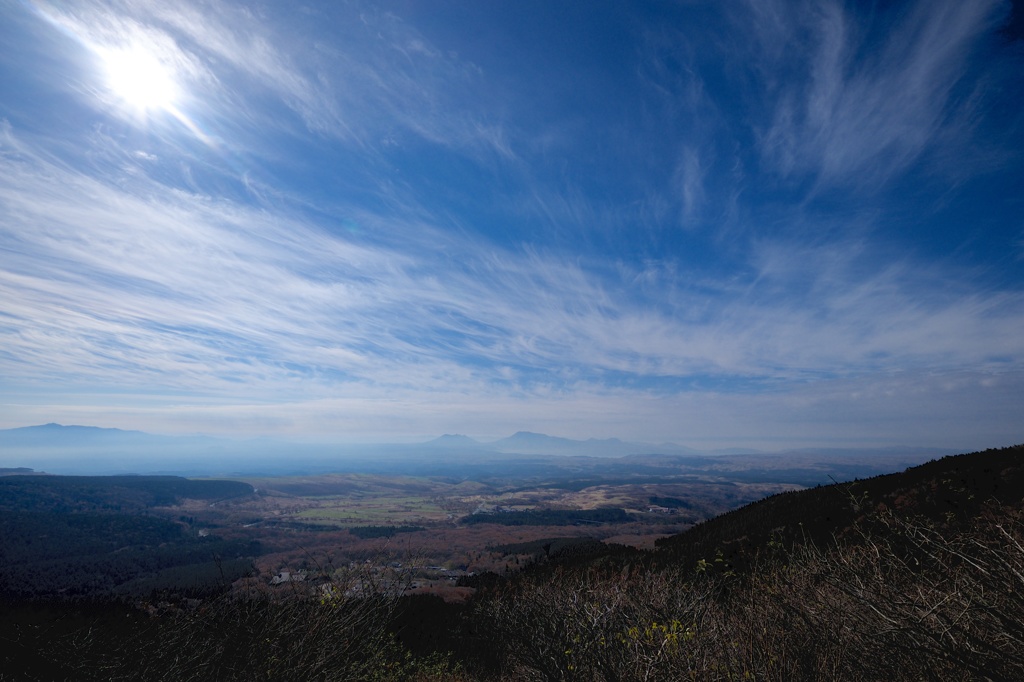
x=909, y=600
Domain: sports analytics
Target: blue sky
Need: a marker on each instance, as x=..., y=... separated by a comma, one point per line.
x=756, y=224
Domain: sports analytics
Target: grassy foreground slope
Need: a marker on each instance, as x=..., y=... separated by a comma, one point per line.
x=911, y=576
x=951, y=490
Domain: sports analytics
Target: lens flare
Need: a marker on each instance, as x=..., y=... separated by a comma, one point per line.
x=136, y=76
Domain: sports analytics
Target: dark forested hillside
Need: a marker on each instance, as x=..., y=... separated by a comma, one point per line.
x=550, y=517
x=109, y=493
x=908, y=576
x=950, y=490
x=94, y=536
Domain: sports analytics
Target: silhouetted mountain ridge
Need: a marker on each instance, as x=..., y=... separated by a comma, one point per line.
x=455, y=441
x=950, y=490
x=94, y=450
x=530, y=443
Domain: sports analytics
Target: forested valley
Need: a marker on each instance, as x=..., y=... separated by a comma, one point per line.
x=914, y=575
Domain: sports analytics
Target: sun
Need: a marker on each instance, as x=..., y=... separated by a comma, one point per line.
x=140, y=79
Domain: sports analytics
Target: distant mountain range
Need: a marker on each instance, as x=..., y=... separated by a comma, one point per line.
x=91, y=449
x=538, y=443
x=529, y=443
x=60, y=436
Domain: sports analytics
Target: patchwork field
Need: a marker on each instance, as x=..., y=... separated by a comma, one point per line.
x=435, y=525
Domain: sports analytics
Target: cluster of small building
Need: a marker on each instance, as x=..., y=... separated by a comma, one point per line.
x=425, y=576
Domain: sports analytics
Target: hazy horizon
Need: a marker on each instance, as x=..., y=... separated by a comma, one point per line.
x=440, y=439
x=89, y=450
x=762, y=225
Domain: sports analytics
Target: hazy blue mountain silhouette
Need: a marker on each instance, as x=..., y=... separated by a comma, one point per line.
x=456, y=441
x=529, y=443
x=74, y=436
x=90, y=449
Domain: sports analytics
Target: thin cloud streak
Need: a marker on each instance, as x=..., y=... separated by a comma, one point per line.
x=862, y=120
x=146, y=271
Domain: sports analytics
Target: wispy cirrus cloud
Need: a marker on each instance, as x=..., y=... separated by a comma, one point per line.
x=373, y=237
x=192, y=281
x=866, y=104
x=375, y=83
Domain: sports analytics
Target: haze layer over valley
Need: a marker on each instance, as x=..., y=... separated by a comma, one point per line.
x=92, y=450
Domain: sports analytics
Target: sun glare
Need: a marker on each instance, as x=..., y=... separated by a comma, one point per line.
x=140, y=79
